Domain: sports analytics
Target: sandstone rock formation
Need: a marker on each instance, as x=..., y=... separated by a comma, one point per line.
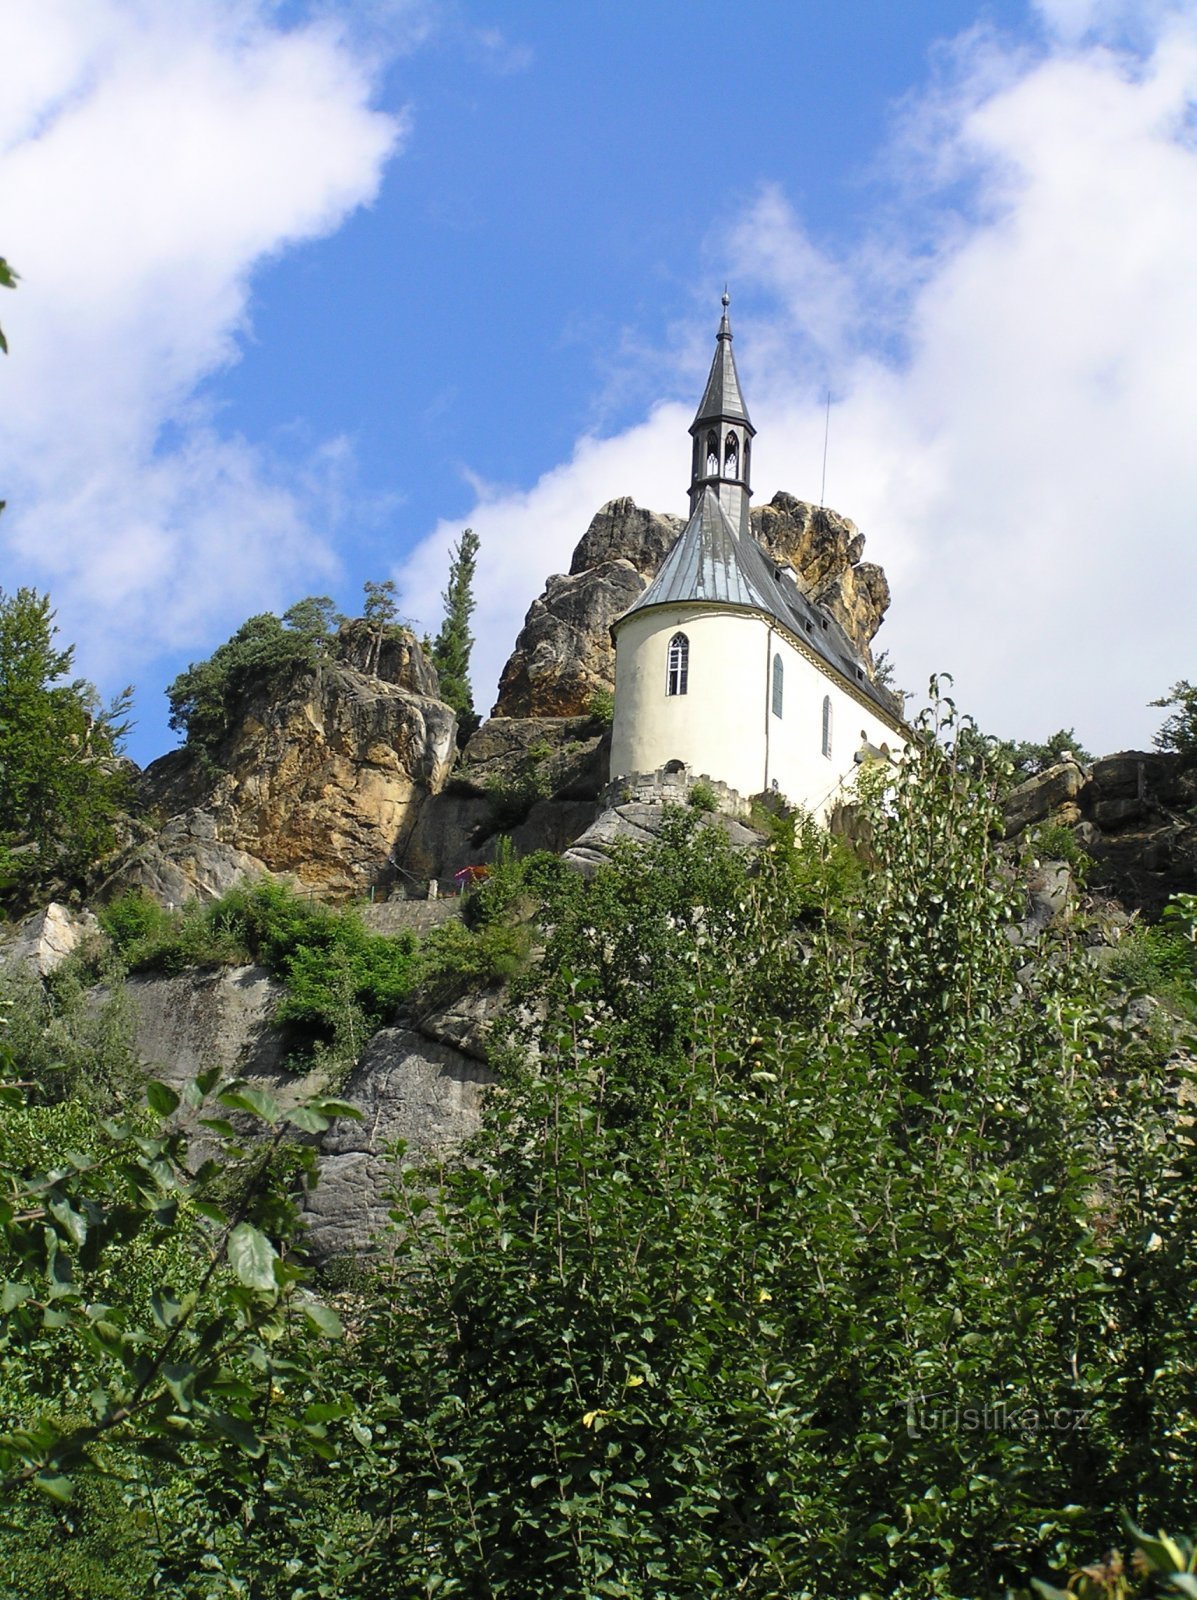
x=321, y=776
x=824, y=550
x=535, y=780
x=564, y=651
x=43, y=941
x=1134, y=813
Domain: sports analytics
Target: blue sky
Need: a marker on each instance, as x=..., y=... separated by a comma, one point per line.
x=307, y=289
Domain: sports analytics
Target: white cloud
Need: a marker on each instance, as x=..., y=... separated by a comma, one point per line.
x=1024, y=466
x=151, y=156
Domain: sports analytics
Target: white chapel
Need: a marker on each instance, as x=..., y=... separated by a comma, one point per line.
x=724, y=667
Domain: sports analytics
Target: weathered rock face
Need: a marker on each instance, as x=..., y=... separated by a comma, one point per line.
x=1135, y=814
x=638, y=823
x=1051, y=793
x=43, y=941
x=824, y=550
x=207, y=1017
x=321, y=776
x=564, y=651
x=408, y=1087
x=534, y=779
x=184, y=860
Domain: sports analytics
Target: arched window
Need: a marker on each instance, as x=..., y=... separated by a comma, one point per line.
x=778, y=684
x=827, y=725
x=678, y=671
x=731, y=457
x=712, y=454
x=747, y=458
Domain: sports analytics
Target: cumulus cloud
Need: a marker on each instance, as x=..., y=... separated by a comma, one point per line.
x=151, y=157
x=1011, y=362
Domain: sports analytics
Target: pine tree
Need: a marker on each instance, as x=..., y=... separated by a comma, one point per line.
x=452, y=646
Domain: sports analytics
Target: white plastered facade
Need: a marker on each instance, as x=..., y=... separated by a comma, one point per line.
x=725, y=725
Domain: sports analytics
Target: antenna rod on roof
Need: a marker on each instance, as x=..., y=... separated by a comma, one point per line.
x=826, y=431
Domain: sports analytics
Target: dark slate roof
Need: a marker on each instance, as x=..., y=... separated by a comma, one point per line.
x=722, y=397
x=711, y=562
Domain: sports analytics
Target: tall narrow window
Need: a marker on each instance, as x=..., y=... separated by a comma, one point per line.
x=731, y=457
x=712, y=455
x=827, y=725
x=679, y=665
x=778, y=684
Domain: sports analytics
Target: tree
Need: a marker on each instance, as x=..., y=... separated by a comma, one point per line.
x=61, y=782
x=204, y=698
x=1179, y=731
x=452, y=646
x=381, y=612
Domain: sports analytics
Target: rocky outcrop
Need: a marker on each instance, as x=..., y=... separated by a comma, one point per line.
x=534, y=780
x=1134, y=814
x=1051, y=793
x=183, y=860
x=43, y=941
x=824, y=549
x=207, y=1017
x=638, y=823
x=564, y=654
x=412, y=1091
x=321, y=776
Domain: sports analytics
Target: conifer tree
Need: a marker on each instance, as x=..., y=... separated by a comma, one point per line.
x=452, y=646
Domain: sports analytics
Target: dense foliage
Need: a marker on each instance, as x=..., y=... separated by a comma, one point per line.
x=61, y=780
x=204, y=698
x=1179, y=731
x=454, y=642
x=819, y=1241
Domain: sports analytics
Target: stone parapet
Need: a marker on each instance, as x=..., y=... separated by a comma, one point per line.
x=671, y=785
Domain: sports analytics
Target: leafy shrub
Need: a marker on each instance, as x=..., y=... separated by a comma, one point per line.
x=1160, y=962
x=702, y=797
x=602, y=707
x=513, y=794
x=1056, y=842
x=342, y=981
x=151, y=938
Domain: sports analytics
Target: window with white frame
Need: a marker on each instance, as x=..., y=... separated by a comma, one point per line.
x=678, y=670
x=827, y=725
x=778, y=684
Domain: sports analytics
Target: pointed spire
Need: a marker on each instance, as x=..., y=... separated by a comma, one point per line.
x=721, y=399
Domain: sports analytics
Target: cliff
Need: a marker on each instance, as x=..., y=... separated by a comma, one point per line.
x=320, y=775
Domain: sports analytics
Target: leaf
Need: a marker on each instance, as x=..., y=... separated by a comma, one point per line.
x=166, y=1306
x=256, y=1101
x=238, y=1431
x=252, y=1256
x=13, y=1294
x=161, y=1098
x=323, y=1318
x=56, y=1485
x=307, y=1120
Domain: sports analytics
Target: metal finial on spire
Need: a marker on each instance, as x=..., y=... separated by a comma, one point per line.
x=726, y=298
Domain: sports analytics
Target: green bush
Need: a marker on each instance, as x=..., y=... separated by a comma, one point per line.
x=1161, y=963
x=702, y=797
x=1056, y=842
x=342, y=982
